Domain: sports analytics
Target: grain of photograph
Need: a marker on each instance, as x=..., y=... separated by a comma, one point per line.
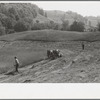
x=50, y=42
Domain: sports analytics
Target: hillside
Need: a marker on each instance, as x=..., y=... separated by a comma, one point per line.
x=57, y=16
x=30, y=47
x=13, y=15
x=42, y=19
x=27, y=32
x=76, y=66
x=84, y=70
x=26, y=16
x=94, y=20
x=43, y=35
x=52, y=36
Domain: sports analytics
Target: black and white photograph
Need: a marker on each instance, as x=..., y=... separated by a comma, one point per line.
x=50, y=42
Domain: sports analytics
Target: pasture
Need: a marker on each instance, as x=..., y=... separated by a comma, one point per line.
x=52, y=36
x=30, y=46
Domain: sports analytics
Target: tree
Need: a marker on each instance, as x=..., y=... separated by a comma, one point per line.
x=86, y=21
x=2, y=30
x=2, y=18
x=56, y=27
x=29, y=21
x=18, y=17
x=81, y=26
x=90, y=23
x=77, y=26
x=51, y=24
x=65, y=25
x=41, y=11
x=98, y=25
x=34, y=13
x=45, y=14
x=21, y=26
x=13, y=13
x=36, y=26
x=74, y=27
x=37, y=21
x=9, y=23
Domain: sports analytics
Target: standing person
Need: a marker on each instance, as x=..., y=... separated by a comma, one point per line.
x=82, y=46
x=16, y=64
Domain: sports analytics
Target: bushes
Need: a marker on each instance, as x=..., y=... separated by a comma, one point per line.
x=10, y=31
x=65, y=25
x=48, y=25
x=98, y=25
x=39, y=26
x=77, y=26
x=36, y=26
x=2, y=31
x=21, y=26
x=17, y=17
x=41, y=12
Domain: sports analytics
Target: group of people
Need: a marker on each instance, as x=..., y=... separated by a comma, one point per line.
x=53, y=54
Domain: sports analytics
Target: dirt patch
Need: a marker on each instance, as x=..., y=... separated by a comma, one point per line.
x=76, y=66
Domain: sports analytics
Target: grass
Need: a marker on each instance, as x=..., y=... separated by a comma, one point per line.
x=29, y=52
x=52, y=35
x=26, y=55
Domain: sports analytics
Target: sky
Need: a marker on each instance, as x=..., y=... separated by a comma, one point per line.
x=85, y=8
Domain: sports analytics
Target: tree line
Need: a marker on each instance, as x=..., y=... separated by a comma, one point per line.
x=20, y=17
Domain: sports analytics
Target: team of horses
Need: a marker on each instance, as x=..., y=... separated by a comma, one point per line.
x=53, y=54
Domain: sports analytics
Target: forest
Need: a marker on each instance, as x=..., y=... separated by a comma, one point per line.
x=22, y=17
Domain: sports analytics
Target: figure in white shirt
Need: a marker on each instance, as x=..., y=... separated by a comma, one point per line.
x=16, y=64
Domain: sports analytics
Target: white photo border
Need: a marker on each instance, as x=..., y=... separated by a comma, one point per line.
x=49, y=90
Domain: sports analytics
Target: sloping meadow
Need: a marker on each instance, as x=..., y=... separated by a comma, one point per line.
x=31, y=46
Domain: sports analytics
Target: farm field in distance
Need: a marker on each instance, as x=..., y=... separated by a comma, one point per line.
x=31, y=46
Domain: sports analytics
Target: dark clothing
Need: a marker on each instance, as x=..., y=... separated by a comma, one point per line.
x=16, y=65
x=82, y=46
x=53, y=54
x=48, y=53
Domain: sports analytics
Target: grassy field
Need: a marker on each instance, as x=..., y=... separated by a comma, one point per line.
x=52, y=35
x=31, y=46
x=26, y=54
